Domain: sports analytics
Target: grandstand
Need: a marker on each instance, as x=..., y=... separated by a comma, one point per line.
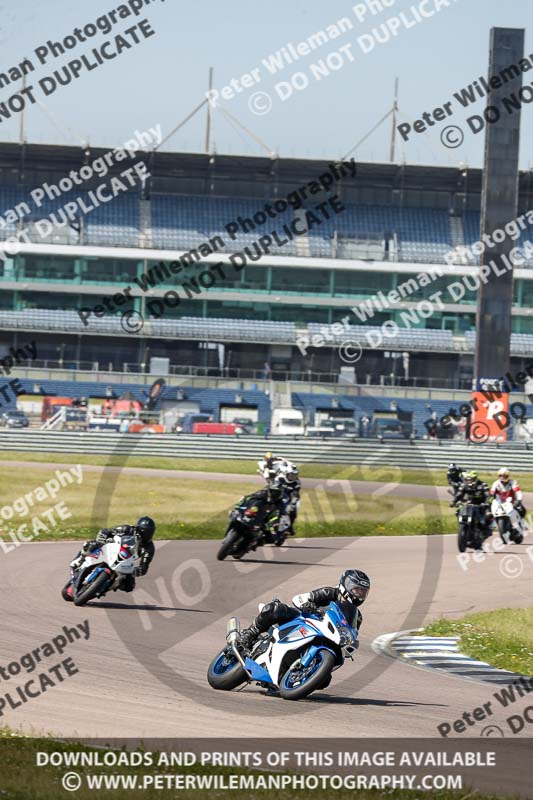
x=399, y=222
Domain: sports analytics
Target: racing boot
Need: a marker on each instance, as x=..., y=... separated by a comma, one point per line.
x=249, y=636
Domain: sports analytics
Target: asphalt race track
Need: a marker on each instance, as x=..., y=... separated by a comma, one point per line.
x=375, y=488
x=142, y=671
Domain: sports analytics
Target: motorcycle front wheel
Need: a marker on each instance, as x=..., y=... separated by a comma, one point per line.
x=91, y=590
x=228, y=543
x=462, y=538
x=503, y=528
x=225, y=672
x=67, y=591
x=298, y=682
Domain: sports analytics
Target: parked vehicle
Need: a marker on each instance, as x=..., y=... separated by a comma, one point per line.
x=244, y=425
x=287, y=422
x=325, y=429
x=389, y=429
x=345, y=427
x=14, y=419
x=333, y=426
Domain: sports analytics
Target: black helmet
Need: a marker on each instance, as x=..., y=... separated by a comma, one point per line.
x=354, y=585
x=146, y=528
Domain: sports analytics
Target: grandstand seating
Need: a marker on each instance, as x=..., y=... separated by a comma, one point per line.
x=420, y=235
x=418, y=338
x=521, y=343
x=116, y=224
x=186, y=222
x=250, y=330
x=184, y=328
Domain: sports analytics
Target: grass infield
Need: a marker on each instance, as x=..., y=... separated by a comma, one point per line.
x=383, y=474
x=197, y=509
x=503, y=638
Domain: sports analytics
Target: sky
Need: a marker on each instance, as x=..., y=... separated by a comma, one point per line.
x=164, y=77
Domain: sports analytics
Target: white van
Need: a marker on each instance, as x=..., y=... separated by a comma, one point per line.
x=287, y=422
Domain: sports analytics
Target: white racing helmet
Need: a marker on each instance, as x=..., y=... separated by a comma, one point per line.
x=287, y=472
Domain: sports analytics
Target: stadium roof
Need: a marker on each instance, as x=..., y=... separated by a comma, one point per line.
x=46, y=158
x=201, y=173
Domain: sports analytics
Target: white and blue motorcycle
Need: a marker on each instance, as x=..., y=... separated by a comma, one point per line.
x=295, y=658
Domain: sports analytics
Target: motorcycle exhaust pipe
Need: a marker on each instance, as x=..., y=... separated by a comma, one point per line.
x=233, y=630
x=232, y=637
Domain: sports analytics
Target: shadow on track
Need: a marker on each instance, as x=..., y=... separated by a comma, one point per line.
x=306, y=547
x=147, y=607
x=276, y=563
x=363, y=701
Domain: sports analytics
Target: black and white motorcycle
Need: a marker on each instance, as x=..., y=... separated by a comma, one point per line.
x=510, y=524
x=102, y=570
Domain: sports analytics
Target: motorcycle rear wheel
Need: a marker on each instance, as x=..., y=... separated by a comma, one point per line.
x=93, y=589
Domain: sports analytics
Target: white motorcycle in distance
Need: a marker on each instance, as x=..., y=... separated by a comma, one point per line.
x=510, y=524
x=102, y=570
x=295, y=658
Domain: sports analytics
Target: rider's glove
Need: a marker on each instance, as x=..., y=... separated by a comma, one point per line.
x=101, y=537
x=309, y=608
x=141, y=570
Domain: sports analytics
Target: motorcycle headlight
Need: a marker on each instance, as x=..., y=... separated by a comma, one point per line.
x=349, y=649
x=346, y=637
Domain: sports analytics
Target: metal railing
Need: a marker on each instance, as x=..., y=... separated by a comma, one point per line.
x=139, y=370
x=410, y=455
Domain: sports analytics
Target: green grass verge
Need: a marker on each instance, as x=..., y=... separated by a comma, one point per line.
x=503, y=638
x=21, y=779
x=189, y=508
x=382, y=474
